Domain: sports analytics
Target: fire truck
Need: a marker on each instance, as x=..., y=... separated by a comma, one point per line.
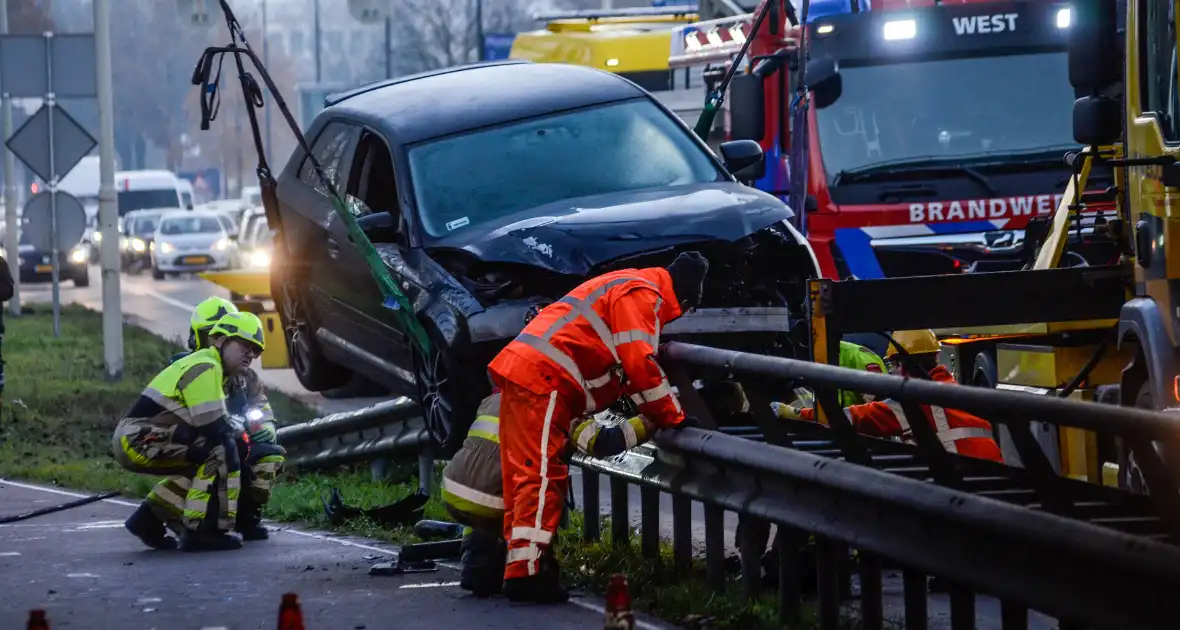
x=932, y=139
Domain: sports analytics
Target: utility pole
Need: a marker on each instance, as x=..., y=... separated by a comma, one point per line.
x=388, y=47
x=11, y=222
x=316, y=20
x=479, y=30
x=108, y=209
x=266, y=62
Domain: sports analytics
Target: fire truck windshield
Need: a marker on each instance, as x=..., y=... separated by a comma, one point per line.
x=935, y=110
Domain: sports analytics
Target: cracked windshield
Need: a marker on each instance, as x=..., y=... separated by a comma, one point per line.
x=344, y=314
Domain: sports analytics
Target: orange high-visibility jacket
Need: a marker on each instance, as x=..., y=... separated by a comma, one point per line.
x=959, y=431
x=599, y=342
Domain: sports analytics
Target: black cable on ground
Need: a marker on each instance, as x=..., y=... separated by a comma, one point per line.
x=57, y=508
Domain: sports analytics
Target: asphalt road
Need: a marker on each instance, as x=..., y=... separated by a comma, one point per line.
x=86, y=571
x=163, y=308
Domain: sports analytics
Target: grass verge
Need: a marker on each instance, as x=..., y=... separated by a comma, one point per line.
x=59, y=412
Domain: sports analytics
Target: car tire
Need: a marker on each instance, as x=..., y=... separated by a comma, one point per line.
x=314, y=371
x=83, y=280
x=448, y=394
x=157, y=274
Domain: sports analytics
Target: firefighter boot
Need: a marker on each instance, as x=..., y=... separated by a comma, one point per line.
x=249, y=521
x=149, y=528
x=542, y=588
x=483, y=557
x=208, y=536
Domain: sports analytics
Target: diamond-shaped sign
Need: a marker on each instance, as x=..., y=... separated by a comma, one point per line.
x=70, y=141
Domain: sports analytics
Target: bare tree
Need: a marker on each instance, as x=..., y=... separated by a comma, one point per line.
x=432, y=34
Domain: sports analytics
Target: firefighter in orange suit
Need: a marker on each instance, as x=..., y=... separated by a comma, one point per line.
x=959, y=431
x=576, y=356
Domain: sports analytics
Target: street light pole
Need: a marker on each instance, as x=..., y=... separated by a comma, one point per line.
x=11, y=222
x=388, y=47
x=479, y=29
x=108, y=209
x=316, y=20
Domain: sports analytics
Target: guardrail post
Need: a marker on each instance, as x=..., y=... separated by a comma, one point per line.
x=787, y=542
x=620, y=517
x=714, y=547
x=962, y=607
x=752, y=534
x=914, y=583
x=649, y=522
x=872, y=615
x=591, y=511
x=681, y=533
x=828, y=562
x=1013, y=615
x=426, y=481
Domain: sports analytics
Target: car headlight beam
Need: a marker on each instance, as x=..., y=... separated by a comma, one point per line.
x=78, y=256
x=167, y=248
x=138, y=245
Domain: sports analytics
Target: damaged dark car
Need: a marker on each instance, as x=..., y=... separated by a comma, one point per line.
x=490, y=191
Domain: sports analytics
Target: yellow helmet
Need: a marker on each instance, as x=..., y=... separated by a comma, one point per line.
x=244, y=326
x=207, y=313
x=913, y=342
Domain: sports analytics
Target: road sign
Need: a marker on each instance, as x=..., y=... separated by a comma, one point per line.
x=369, y=11
x=208, y=179
x=38, y=216
x=33, y=144
x=34, y=65
x=497, y=46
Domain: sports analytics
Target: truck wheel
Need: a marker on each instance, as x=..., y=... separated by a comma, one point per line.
x=1130, y=475
x=83, y=280
x=158, y=275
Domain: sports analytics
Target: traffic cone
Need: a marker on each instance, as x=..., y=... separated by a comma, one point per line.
x=618, y=605
x=290, y=615
x=37, y=620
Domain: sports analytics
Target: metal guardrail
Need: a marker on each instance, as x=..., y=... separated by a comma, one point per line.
x=1089, y=555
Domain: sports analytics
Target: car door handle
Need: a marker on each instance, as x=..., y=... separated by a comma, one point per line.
x=333, y=247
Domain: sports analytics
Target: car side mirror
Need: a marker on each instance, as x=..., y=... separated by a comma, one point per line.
x=1097, y=121
x=379, y=227
x=824, y=82
x=744, y=159
x=188, y=206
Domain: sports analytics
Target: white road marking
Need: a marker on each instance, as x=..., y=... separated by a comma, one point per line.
x=9, y=553
x=185, y=306
x=81, y=575
x=429, y=585
x=67, y=493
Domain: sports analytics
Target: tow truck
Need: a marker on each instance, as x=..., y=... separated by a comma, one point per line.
x=934, y=137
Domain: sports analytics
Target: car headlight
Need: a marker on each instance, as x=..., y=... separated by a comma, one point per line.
x=138, y=245
x=167, y=248
x=221, y=244
x=78, y=256
x=96, y=236
x=260, y=259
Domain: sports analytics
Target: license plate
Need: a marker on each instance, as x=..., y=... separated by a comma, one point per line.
x=44, y=268
x=193, y=260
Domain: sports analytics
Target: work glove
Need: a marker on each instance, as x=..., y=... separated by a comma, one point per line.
x=786, y=412
x=262, y=432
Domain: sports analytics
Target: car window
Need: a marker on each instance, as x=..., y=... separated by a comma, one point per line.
x=484, y=176
x=189, y=225
x=145, y=226
x=142, y=199
x=329, y=149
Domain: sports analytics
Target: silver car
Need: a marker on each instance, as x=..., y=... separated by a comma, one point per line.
x=189, y=241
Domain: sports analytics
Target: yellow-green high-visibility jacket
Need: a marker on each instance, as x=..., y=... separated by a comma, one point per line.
x=852, y=356
x=181, y=401
x=472, y=488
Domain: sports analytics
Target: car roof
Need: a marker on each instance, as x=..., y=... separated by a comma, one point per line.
x=206, y=214
x=429, y=105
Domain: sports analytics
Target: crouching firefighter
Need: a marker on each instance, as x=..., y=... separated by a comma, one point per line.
x=576, y=356
x=245, y=399
x=958, y=431
x=180, y=426
x=472, y=487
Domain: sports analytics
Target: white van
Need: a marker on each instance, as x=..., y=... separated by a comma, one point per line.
x=140, y=190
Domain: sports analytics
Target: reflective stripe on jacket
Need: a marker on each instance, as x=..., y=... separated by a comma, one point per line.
x=599, y=342
x=472, y=489
x=959, y=431
x=188, y=394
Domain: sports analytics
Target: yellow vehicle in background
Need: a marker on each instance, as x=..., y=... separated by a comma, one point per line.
x=632, y=43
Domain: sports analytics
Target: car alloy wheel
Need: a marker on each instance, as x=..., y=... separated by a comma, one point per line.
x=296, y=331
x=434, y=385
